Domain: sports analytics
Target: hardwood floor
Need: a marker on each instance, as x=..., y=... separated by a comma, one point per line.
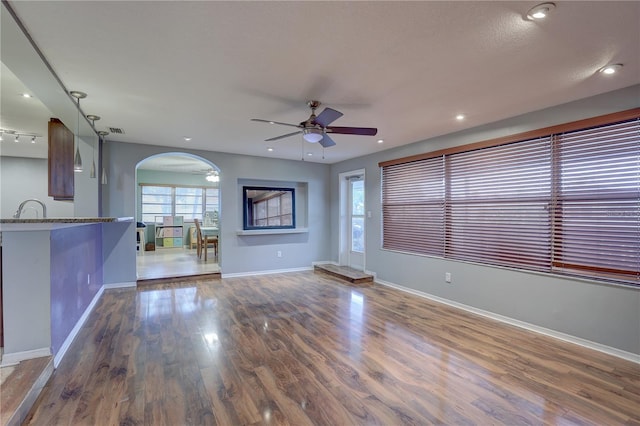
x=303, y=348
x=346, y=273
x=20, y=385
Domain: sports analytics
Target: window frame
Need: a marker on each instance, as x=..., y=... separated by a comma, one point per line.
x=204, y=196
x=249, y=209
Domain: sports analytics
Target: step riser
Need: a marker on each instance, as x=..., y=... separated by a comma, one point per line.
x=361, y=280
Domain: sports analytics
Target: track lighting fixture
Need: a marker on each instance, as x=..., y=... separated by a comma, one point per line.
x=17, y=135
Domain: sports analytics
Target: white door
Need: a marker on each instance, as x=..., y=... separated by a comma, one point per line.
x=352, y=213
x=356, y=222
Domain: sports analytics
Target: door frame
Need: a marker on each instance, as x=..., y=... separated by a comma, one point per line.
x=344, y=237
x=206, y=163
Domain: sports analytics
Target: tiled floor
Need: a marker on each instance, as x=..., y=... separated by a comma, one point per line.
x=171, y=263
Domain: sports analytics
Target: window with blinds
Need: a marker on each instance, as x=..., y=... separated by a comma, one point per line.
x=597, y=215
x=566, y=202
x=497, y=206
x=413, y=207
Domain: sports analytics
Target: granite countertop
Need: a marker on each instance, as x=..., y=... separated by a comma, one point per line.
x=69, y=220
x=51, y=223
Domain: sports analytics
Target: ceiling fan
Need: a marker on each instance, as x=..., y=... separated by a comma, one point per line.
x=208, y=173
x=317, y=129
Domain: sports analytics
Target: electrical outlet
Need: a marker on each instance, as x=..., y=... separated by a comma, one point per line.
x=279, y=253
x=447, y=277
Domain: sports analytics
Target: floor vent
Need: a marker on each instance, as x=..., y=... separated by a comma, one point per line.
x=116, y=130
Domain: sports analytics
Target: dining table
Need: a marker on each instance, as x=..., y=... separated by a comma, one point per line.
x=209, y=230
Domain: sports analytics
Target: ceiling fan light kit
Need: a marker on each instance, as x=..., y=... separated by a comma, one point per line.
x=312, y=135
x=316, y=128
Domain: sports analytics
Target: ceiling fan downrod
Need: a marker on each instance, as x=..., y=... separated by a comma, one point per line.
x=311, y=121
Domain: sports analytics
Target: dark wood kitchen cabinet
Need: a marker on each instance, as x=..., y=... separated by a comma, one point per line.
x=61, y=183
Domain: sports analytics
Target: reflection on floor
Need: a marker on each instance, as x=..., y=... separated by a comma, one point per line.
x=303, y=348
x=171, y=263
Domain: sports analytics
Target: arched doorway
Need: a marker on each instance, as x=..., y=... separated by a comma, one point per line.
x=173, y=189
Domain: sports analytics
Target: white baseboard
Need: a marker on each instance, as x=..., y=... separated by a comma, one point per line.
x=629, y=356
x=14, y=358
x=373, y=274
x=57, y=358
x=270, y=271
x=120, y=285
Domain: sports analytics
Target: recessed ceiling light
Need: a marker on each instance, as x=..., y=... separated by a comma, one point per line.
x=270, y=149
x=309, y=154
x=271, y=122
x=460, y=117
x=187, y=138
x=610, y=69
x=540, y=11
x=26, y=95
x=380, y=140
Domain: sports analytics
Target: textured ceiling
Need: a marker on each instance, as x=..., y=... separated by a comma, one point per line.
x=168, y=69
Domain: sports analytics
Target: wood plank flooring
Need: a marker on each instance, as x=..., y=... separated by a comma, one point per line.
x=20, y=386
x=303, y=348
x=346, y=273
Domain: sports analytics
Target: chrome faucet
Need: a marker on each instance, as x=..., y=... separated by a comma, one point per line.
x=19, y=211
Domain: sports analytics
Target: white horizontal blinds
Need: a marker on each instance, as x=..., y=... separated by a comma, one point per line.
x=413, y=206
x=597, y=218
x=498, y=205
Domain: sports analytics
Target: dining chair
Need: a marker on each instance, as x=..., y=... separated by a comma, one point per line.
x=204, y=241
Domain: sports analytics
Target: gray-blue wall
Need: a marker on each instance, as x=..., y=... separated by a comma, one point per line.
x=238, y=253
x=598, y=312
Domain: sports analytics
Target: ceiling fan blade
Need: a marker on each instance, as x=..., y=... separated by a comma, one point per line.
x=274, y=122
x=282, y=137
x=364, y=131
x=326, y=141
x=327, y=117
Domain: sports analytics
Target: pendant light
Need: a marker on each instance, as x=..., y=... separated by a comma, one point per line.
x=103, y=179
x=77, y=159
x=93, y=119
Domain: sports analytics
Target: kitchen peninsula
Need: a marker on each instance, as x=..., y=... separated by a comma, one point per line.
x=53, y=272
